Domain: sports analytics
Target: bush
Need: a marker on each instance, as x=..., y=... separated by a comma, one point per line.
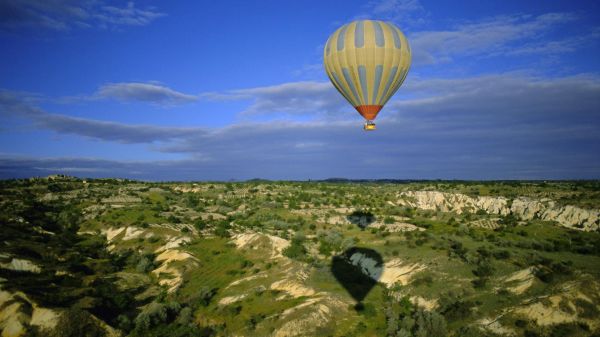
x=509, y=220
x=484, y=252
x=222, y=230
x=455, y=308
x=246, y=263
x=173, y=219
x=480, y=282
x=586, y=309
x=295, y=251
x=253, y=321
x=409, y=321
x=545, y=275
x=501, y=254
x=568, y=329
x=330, y=241
x=145, y=264
x=429, y=323
x=199, y=224
x=204, y=296
x=484, y=269
x=457, y=249
x=124, y=323
x=77, y=323
x=185, y=316
x=426, y=280
x=155, y=314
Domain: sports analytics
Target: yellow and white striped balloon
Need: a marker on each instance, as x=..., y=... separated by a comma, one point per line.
x=367, y=61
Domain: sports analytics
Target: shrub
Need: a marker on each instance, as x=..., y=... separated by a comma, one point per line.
x=246, y=263
x=185, y=316
x=501, y=254
x=145, y=264
x=484, y=269
x=295, y=251
x=455, y=308
x=457, y=249
x=204, y=296
x=545, y=275
x=199, y=224
x=509, y=220
x=155, y=314
x=586, y=309
x=480, y=282
x=484, y=252
x=77, y=323
x=253, y=321
x=124, y=323
x=567, y=329
x=222, y=230
x=481, y=212
x=426, y=280
x=429, y=323
x=173, y=219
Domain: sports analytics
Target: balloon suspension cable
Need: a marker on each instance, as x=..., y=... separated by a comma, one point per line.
x=369, y=125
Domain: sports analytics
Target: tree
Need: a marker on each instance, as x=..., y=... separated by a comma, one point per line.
x=429, y=324
x=296, y=250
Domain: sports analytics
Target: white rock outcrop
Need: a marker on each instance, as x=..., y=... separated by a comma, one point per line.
x=18, y=312
x=21, y=265
x=525, y=208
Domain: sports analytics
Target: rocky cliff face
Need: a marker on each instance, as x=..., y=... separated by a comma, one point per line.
x=525, y=208
x=18, y=312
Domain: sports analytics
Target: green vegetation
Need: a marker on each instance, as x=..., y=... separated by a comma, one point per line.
x=257, y=258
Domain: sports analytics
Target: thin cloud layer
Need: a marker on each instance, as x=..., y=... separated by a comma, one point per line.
x=407, y=12
x=495, y=36
x=55, y=15
x=13, y=106
x=143, y=92
x=295, y=98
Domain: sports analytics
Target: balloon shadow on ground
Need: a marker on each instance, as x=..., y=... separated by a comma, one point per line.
x=358, y=270
x=361, y=218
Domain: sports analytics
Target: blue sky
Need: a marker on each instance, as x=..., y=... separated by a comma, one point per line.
x=189, y=90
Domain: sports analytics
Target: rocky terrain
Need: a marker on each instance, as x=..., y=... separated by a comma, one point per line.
x=521, y=207
x=125, y=258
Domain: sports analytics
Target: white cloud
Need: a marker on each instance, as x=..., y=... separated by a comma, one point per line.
x=127, y=16
x=495, y=36
x=294, y=98
x=144, y=92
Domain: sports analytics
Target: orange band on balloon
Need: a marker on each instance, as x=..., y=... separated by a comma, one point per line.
x=369, y=111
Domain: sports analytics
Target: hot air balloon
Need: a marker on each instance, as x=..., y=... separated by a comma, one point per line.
x=367, y=61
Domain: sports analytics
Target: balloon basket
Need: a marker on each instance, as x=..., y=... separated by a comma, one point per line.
x=369, y=126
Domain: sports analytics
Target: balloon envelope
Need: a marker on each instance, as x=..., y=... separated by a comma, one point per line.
x=367, y=61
